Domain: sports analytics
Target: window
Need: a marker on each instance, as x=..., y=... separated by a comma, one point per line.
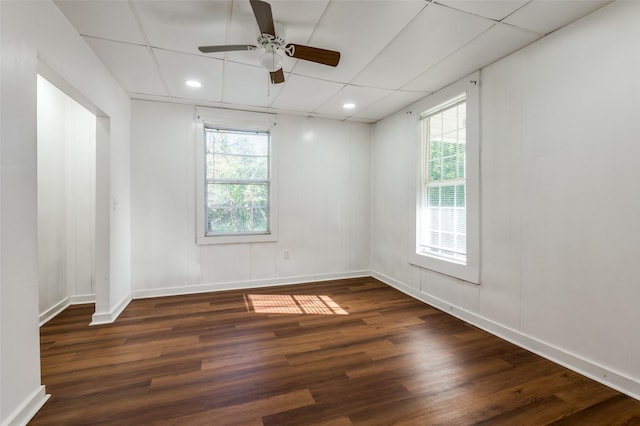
x=447, y=209
x=235, y=179
x=443, y=214
x=237, y=182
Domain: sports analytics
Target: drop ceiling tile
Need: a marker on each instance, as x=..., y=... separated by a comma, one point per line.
x=305, y=94
x=248, y=85
x=390, y=105
x=362, y=97
x=492, y=9
x=432, y=36
x=359, y=30
x=104, y=19
x=545, y=16
x=184, y=25
x=131, y=65
x=176, y=68
x=492, y=45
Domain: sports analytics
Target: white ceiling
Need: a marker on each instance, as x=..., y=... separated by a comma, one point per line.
x=393, y=52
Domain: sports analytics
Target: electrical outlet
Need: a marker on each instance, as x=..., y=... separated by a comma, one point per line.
x=287, y=254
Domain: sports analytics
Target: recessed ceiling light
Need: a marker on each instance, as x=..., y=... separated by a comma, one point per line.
x=349, y=105
x=193, y=83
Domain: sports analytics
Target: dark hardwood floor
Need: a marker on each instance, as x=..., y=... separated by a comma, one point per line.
x=332, y=353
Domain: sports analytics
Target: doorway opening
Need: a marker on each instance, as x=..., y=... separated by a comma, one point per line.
x=71, y=223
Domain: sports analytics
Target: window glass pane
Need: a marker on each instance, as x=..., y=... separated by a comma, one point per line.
x=447, y=241
x=209, y=141
x=209, y=155
x=240, y=220
x=461, y=244
x=231, y=194
x=434, y=218
x=461, y=221
x=450, y=146
x=237, y=173
x=435, y=148
x=435, y=125
x=450, y=120
x=449, y=168
x=434, y=196
x=240, y=167
x=447, y=196
x=234, y=208
x=461, y=137
x=461, y=165
x=462, y=115
x=435, y=170
x=448, y=220
x=460, y=196
x=462, y=148
x=434, y=238
x=209, y=166
x=239, y=143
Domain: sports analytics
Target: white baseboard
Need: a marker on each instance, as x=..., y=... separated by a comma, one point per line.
x=592, y=370
x=53, y=311
x=111, y=316
x=239, y=285
x=28, y=408
x=80, y=299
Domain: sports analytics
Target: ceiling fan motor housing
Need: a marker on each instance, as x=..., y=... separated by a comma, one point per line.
x=270, y=42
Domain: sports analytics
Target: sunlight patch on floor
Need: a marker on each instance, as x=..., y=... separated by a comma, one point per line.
x=292, y=304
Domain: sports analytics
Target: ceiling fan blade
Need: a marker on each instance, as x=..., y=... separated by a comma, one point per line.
x=277, y=76
x=262, y=11
x=226, y=48
x=313, y=54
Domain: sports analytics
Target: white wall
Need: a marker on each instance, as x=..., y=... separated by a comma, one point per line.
x=66, y=199
x=323, y=170
x=559, y=186
x=34, y=33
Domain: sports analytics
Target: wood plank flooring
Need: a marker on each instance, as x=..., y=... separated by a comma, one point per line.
x=346, y=352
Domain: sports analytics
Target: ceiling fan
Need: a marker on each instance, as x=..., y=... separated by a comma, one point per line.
x=274, y=45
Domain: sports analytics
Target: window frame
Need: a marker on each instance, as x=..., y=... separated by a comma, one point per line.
x=469, y=271
x=427, y=183
x=212, y=180
x=242, y=122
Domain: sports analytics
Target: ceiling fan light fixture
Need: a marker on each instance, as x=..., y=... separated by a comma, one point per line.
x=271, y=61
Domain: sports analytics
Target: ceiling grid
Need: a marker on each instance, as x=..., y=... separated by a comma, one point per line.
x=393, y=52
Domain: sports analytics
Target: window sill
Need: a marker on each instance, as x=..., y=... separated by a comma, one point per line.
x=237, y=239
x=469, y=273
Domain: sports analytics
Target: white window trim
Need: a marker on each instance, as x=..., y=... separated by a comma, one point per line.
x=234, y=120
x=471, y=270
